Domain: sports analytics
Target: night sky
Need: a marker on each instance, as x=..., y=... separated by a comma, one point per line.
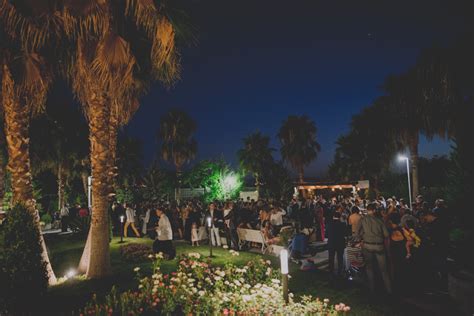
x=258, y=61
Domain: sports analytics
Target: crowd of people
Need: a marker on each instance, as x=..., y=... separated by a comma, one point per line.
x=399, y=243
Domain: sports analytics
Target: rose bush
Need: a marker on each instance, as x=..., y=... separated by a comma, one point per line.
x=197, y=288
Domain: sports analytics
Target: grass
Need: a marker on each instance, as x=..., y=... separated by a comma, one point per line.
x=72, y=294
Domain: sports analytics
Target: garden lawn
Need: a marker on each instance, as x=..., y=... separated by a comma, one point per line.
x=65, y=252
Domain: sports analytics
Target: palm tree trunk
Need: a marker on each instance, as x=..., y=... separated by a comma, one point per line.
x=2, y=180
x=60, y=187
x=413, y=144
x=16, y=133
x=301, y=174
x=113, y=134
x=96, y=257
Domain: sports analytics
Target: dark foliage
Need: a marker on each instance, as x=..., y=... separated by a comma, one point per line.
x=135, y=252
x=23, y=276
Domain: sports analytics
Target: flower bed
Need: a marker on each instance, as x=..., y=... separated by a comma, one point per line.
x=198, y=288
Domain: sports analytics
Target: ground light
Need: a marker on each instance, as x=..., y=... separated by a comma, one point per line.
x=405, y=158
x=122, y=218
x=70, y=273
x=284, y=272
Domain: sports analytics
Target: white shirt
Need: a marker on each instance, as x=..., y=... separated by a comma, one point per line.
x=130, y=215
x=164, y=230
x=276, y=219
x=64, y=211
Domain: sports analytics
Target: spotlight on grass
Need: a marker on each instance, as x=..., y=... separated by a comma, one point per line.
x=71, y=273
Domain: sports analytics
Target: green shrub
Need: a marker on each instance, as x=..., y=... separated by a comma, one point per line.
x=23, y=276
x=46, y=218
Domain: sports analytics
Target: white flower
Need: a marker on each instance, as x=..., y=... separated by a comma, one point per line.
x=140, y=286
x=194, y=255
x=159, y=255
x=201, y=293
x=217, y=278
x=150, y=256
x=246, y=298
x=225, y=247
x=136, y=269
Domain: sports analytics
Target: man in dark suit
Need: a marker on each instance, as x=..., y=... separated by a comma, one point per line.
x=336, y=242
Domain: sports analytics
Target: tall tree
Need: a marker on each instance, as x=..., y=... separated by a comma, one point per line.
x=256, y=156
x=298, y=142
x=25, y=78
x=419, y=104
x=118, y=43
x=178, y=145
x=366, y=152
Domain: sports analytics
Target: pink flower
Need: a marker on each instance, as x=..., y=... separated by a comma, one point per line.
x=225, y=311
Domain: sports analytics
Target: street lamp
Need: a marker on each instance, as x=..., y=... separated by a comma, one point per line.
x=405, y=158
x=284, y=273
x=122, y=218
x=209, y=226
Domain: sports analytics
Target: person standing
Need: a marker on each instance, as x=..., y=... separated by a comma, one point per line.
x=372, y=232
x=64, y=218
x=130, y=212
x=354, y=219
x=164, y=239
x=146, y=220
x=216, y=221
x=336, y=242
x=232, y=222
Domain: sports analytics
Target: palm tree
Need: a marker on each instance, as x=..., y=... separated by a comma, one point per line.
x=25, y=78
x=104, y=79
x=366, y=151
x=418, y=103
x=103, y=71
x=176, y=134
x=298, y=142
x=256, y=156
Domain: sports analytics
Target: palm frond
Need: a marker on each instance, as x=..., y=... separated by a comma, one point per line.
x=85, y=19
x=33, y=32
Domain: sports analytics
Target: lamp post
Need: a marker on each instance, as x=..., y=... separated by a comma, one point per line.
x=121, y=225
x=284, y=273
x=209, y=226
x=402, y=158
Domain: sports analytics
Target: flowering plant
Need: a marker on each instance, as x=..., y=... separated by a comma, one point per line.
x=199, y=288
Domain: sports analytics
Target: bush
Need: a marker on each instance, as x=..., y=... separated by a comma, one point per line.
x=46, y=218
x=135, y=252
x=198, y=288
x=23, y=275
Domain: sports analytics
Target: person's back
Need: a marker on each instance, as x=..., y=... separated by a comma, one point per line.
x=354, y=220
x=336, y=234
x=372, y=231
